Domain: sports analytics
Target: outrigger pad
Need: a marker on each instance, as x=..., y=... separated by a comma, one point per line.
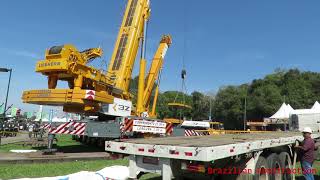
x=49, y=151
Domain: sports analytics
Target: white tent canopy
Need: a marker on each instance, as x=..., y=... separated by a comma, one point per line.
x=289, y=108
x=283, y=112
x=316, y=106
x=305, y=111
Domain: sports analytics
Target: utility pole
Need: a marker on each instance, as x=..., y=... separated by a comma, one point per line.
x=245, y=114
x=8, y=88
x=210, y=113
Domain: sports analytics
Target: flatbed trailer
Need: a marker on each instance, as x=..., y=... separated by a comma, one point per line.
x=248, y=156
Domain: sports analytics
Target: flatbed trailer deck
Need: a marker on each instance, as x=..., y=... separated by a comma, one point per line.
x=214, y=140
x=206, y=149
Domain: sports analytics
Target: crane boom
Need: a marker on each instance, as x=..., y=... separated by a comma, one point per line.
x=153, y=75
x=127, y=44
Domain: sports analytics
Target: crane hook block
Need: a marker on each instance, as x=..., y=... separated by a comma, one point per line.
x=183, y=74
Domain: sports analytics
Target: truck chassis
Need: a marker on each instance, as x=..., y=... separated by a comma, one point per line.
x=199, y=155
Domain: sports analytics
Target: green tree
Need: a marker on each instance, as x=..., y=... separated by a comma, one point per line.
x=200, y=106
x=164, y=111
x=263, y=101
x=264, y=96
x=297, y=88
x=229, y=106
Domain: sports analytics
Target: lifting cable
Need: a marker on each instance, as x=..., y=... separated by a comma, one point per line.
x=183, y=89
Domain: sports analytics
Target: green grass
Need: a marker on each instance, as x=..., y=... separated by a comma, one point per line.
x=64, y=168
x=66, y=140
x=55, y=169
x=151, y=176
x=8, y=147
x=64, y=144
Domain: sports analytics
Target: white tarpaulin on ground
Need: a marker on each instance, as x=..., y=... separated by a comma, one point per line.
x=283, y=112
x=113, y=172
x=23, y=151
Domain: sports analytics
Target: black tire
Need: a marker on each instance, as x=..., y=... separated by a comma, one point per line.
x=260, y=169
x=93, y=141
x=50, y=143
x=87, y=141
x=101, y=142
x=140, y=175
x=274, y=164
x=77, y=138
x=286, y=164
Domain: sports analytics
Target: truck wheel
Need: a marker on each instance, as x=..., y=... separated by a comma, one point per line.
x=285, y=162
x=261, y=169
x=87, y=140
x=101, y=142
x=274, y=165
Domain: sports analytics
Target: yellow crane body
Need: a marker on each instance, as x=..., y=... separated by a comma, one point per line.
x=92, y=90
x=66, y=63
x=72, y=100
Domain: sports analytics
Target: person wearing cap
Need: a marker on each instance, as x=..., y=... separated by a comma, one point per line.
x=307, y=153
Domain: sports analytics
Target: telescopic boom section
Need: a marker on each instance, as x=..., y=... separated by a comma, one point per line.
x=126, y=47
x=153, y=76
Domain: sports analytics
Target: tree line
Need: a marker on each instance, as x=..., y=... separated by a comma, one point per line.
x=263, y=98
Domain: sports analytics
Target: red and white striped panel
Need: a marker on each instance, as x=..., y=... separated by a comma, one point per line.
x=74, y=128
x=127, y=125
x=169, y=128
x=191, y=132
x=46, y=126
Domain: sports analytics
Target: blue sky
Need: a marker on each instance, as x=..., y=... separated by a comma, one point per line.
x=226, y=42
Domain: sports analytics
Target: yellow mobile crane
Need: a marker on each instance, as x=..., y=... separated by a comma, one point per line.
x=89, y=87
x=90, y=90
